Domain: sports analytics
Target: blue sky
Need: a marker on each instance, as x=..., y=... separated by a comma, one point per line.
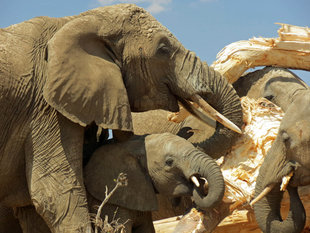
x=203, y=26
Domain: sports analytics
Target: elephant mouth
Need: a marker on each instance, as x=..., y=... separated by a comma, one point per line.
x=205, y=112
x=200, y=183
x=198, y=107
x=209, y=110
x=285, y=175
x=195, y=182
x=286, y=180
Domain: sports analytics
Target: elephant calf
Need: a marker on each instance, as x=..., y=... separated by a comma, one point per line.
x=158, y=163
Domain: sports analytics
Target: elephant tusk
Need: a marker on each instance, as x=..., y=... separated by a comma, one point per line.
x=214, y=114
x=193, y=108
x=195, y=180
x=206, y=184
x=285, y=181
x=262, y=194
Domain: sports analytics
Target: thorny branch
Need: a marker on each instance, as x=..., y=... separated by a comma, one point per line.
x=120, y=181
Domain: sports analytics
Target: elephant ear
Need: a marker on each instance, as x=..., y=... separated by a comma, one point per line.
x=103, y=169
x=84, y=81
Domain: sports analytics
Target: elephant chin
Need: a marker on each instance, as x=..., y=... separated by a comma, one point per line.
x=183, y=190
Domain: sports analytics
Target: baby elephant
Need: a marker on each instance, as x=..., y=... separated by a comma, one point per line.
x=158, y=163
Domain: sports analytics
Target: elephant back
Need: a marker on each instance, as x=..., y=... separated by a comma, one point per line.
x=255, y=83
x=155, y=122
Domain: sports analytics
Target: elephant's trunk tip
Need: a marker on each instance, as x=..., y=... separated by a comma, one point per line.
x=208, y=109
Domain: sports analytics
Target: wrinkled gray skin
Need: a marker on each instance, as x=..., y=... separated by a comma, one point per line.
x=150, y=168
x=215, y=140
x=58, y=76
x=169, y=161
x=290, y=150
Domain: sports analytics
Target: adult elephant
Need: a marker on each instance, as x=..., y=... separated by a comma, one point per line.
x=60, y=75
x=172, y=169
x=289, y=152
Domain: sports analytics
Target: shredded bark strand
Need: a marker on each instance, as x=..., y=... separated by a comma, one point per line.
x=290, y=50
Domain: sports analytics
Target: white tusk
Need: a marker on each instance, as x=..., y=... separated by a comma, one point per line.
x=285, y=181
x=201, y=115
x=215, y=114
x=262, y=194
x=195, y=180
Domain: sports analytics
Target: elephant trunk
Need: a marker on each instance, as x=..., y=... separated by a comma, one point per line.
x=203, y=166
x=267, y=210
x=223, y=97
x=214, y=95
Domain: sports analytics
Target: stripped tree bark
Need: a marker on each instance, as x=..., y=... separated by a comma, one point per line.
x=290, y=50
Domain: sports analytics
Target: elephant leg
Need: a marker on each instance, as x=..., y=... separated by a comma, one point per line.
x=54, y=173
x=145, y=225
x=8, y=222
x=30, y=221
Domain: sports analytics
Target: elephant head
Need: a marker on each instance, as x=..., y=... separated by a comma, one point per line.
x=162, y=163
x=221, y=95
x=107, y=62
x=289, y=153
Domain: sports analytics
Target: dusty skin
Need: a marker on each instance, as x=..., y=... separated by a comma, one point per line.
x=76, y=72
x=167, y=170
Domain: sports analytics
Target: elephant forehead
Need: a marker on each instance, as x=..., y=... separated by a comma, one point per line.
x=176, y=144
x=299, y=143
x=300, y=131
x=304, y=128
x=167, y=141
x=146, y=24
x=139, y=19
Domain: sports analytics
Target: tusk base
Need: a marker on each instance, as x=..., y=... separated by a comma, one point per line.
x=208, y=109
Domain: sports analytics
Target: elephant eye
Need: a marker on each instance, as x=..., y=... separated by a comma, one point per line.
x=163, y=49
x=286, y=138
x=269, y=97
x=169, y=162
